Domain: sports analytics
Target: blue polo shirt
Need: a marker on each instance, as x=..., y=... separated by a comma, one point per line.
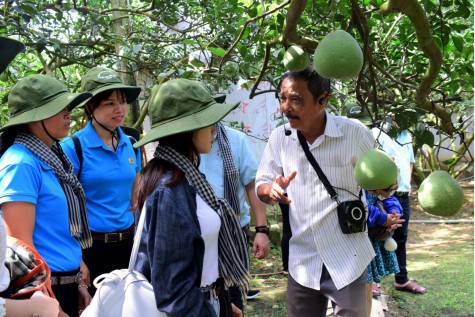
x=211, y=165
x=25, y=178
x=107, y=178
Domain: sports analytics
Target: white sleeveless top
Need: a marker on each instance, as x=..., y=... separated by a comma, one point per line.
x=210, y=223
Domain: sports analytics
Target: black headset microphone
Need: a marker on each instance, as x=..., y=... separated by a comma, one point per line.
x=288, y=132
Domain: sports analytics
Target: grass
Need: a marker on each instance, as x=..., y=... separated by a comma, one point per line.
x=446, y=270
x=440, y=263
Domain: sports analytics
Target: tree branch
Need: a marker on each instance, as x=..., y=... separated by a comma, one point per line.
x=294, y=13
x=416, y=14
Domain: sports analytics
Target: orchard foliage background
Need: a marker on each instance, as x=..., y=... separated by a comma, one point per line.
x=418, y=53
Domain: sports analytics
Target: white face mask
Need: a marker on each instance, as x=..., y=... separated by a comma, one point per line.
x=380, y=197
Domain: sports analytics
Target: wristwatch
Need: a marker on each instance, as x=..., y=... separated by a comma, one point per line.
x=262, y=229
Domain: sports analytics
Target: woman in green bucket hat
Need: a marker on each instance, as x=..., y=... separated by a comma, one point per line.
x=41, y=200
x=108, y=170
x=192, y=246
x=39, y=302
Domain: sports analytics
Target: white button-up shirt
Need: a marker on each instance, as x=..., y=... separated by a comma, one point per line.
x=317, y=239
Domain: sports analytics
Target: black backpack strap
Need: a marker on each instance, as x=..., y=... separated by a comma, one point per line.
x=78, y=148
x=133, y=135
x=133, y=140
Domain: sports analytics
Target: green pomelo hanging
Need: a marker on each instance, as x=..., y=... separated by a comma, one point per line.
x=295, y=59
x=375, y=170
x=338, y=56
x=440, y=194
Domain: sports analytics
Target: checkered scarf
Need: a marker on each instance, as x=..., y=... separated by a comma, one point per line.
x=233, y=256
x=63, y=168
x=230, y=171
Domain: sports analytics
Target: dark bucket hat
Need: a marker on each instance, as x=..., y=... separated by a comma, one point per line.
x=9, y=48
x=39, y=97
x=99, y=79
x=182, y=105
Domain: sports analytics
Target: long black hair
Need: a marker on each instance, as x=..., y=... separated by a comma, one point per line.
x=8, y=136
x=153, y=172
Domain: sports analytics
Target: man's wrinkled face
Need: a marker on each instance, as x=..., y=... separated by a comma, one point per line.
x=299, y=105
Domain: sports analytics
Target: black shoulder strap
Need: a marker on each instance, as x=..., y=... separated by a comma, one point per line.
x=317, y=168
x=133, y=135
x=78, y=148
x=132, y=140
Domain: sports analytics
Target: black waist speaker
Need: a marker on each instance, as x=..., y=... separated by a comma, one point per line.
x=352, y=216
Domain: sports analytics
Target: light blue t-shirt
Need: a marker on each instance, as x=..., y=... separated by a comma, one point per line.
x=402, y=152
x=107, y=178
x=25, y=178
x=212, y=166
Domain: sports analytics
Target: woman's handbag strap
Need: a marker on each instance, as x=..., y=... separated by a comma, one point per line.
x=138, y=235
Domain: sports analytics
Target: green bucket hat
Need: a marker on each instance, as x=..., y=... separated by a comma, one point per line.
x=354, y=110
x=9, y=48
x=39, y=97
x=99, y=79
x=182, y=105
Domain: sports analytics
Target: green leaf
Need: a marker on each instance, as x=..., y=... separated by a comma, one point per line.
x=449, y=161
x=189, y=42
x=29, y=8
x=458, y=42
x=217, y=51
x=427, y=137
x=243, y=51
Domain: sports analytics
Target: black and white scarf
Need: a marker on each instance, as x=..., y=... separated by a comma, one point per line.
x=63, y=168
x=230, y=171
x=233, y=256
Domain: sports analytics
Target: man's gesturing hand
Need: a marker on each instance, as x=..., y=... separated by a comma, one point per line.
x=277, y=190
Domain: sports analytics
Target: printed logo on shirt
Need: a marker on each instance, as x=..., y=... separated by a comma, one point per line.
x=131, y=160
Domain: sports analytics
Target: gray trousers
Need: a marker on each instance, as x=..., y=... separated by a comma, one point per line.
x=349, y=301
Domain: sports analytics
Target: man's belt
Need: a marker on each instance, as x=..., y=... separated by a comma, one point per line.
x=400, y=193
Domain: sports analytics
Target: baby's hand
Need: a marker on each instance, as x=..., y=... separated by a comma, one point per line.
x=393, y=221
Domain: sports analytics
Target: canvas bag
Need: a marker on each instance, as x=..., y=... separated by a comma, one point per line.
x=125, y=292
x=28, y=271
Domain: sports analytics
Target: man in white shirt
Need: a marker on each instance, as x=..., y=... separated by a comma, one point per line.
x=324, y=263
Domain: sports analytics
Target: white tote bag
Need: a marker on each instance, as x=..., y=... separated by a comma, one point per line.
x=124, y=293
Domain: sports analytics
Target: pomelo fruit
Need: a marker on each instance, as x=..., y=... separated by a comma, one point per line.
x=440, y=194
x=295, y=59
x=375, y=170
x=338, y=56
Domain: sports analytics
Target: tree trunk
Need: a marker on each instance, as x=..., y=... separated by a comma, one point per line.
x=120, y=22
